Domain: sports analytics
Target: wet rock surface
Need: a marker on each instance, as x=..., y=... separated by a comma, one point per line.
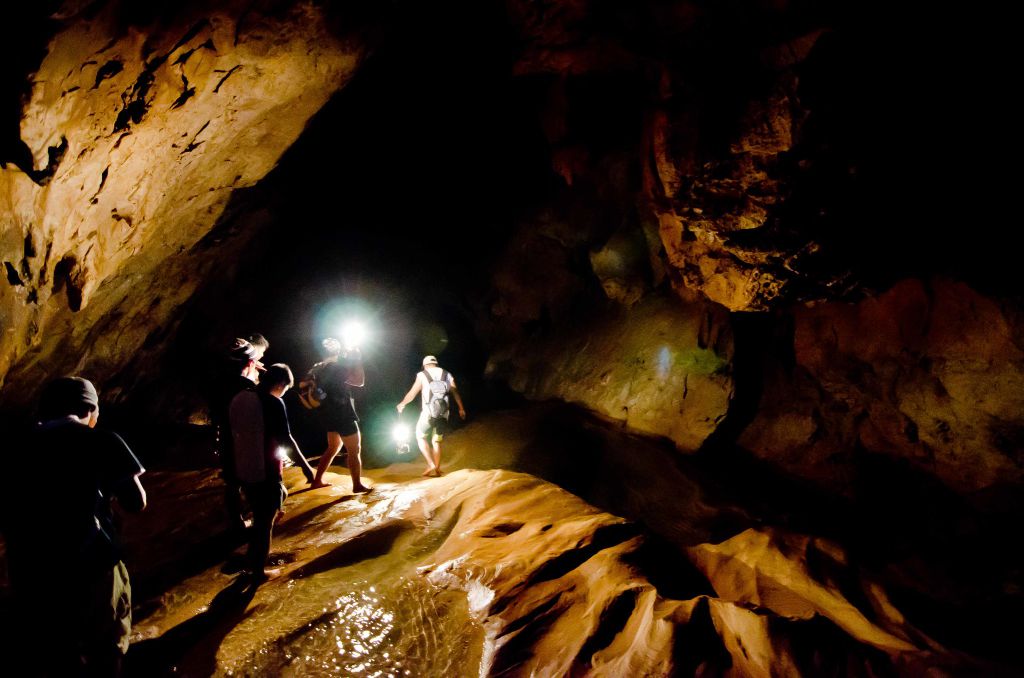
x=500, y=572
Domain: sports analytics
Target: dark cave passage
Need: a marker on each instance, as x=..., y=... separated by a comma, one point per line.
x=724, y=272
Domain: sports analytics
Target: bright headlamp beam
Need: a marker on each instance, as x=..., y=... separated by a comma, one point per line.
x=353, y=334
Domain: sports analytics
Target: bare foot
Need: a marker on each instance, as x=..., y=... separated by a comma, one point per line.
x=361, y=489
x=267, y=573
x=428, y=473
x=317, y=484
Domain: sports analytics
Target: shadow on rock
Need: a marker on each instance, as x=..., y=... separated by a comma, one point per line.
x=196, y=640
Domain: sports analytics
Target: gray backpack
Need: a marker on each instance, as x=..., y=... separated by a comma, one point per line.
x=437, y=397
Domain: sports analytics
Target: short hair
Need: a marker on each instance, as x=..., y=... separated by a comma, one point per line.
x=331, y=346
x=278, y=374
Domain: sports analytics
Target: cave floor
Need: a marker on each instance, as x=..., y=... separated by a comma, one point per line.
x=521, y=560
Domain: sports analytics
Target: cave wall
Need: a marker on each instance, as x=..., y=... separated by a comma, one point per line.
x=930, y=373
x=770, y=158
x=733, y=158
x=146, y=127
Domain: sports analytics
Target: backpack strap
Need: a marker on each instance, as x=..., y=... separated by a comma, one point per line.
x=429, y=378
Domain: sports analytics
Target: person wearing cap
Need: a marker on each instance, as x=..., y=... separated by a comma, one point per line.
x=241, y=374
x=425, y=428
x=63, y=553
x=337, y=374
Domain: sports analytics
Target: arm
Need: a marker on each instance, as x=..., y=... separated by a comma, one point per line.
x=416, y=386
x=131, y=496
x=295, y=447
x=458, y=399
x=124, y=471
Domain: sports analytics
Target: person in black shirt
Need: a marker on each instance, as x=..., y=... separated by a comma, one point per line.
x=260, y=435
x=63, y=553
x=240, y=373
x=338, y=412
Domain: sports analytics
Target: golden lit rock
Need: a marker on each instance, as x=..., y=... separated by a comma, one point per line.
x=931, y=373
x=153, y=128
x=659, y=367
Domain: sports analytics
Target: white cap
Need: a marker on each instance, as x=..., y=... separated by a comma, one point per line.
x=429, y=360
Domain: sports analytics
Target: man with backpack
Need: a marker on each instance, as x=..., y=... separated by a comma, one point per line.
x=435, y=384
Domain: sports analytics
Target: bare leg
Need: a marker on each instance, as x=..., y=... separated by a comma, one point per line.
x=297, y=457
x=355, y=460
x=333, y=447
x=437, y=457
x=425, y=451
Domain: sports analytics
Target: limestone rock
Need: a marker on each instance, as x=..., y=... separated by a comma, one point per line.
x=150, y=130
x=659, y=368
x=496, y=573
x=931, y=373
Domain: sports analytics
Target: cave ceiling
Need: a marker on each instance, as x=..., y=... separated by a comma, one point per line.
x=553, y=158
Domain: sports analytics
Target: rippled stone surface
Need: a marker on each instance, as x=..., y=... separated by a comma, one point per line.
x=499, y=572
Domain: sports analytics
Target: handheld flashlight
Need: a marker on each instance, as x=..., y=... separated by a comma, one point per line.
x=400, y=434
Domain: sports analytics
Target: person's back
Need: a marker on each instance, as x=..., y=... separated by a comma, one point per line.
x=433, y=384
x=63, y=552
x=79, y=525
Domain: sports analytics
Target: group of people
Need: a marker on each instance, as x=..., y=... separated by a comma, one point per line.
x=254, y=434
x=65, y=555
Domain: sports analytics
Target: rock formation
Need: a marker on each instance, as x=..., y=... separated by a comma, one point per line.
x=147, y=125
x=546, y=584
x=730, y=242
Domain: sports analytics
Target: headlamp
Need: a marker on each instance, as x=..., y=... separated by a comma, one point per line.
x=353, y=334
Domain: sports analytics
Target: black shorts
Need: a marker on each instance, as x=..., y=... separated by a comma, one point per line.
x=342, y=425
x=339, y=415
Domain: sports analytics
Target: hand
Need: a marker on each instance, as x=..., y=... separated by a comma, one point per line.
x=462, y=413
x=400, y=407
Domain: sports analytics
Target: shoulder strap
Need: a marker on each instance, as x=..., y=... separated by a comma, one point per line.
x=427, y=375
x=444, y=376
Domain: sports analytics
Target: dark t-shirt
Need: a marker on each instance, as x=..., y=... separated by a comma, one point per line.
x=259, y=424
x=229, y=387
x=68, y=523
x=339, y=406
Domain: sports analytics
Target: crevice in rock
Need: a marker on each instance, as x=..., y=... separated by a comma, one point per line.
x=698, y=649
x=103, y=180
x=107, y=70
x=226, y=76
x=193, y=145
x=67, y=277
x=186, y=55
x=604, y=537
x=46, y=263
x=192, y=32
x=55, y=154
x=524, y=633
x=613, y=620
x=186, y=93
x=12, y=275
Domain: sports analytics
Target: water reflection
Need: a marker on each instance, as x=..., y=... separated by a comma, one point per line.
x=404, y=628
